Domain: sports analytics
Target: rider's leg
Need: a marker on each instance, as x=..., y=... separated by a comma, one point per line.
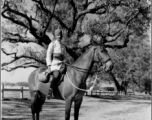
x=47, y=73
x=56, y=75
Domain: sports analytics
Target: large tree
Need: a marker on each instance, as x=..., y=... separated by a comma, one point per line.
x=112, y=21
x=132, y=64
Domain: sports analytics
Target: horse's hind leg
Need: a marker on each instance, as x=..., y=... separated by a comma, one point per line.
x=77, y=105
x=37, y=116
x=36, y=105
x=33, y=116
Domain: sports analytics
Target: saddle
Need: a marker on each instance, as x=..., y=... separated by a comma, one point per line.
x=46, y=77
x=45, y=81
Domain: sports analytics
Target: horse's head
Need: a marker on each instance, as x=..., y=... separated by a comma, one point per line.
x=102, y=57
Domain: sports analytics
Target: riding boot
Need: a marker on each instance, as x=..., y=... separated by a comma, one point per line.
x=49, y=95
x=56, y=75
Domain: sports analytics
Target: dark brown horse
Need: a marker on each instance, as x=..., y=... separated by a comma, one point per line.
x=77, y=73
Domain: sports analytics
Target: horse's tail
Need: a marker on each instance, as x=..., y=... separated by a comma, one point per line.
x=37, y=98
x=37, y=102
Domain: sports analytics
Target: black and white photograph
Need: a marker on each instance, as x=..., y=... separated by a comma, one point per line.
x=76, y=59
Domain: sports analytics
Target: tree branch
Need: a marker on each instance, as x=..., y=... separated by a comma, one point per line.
x=15, y=57
x=16, y=67
x=120, y=46
x=51, y=16
x=86, y=4
x=13, y=20
x=39, y=2
x=73, y=6
x=32, y=29
x=114, y=37
x=48, y=12
x=92, y=10
x=8, y=9
x=133, y=17
x=74, y=20
x=16, y=40
x=14, y=35
x=19, y=22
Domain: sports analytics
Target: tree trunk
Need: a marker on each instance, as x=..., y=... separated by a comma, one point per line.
x=115, y=81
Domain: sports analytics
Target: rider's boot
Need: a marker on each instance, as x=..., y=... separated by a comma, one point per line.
x=49, y=95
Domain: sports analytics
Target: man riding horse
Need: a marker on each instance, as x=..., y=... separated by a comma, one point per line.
x=56, y=55
x=73, y=86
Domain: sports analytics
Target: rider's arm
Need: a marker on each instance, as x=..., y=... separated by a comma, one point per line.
x=49, y=54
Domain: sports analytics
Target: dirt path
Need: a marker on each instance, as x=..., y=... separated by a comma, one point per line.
x=91, y=109
x=119, y=110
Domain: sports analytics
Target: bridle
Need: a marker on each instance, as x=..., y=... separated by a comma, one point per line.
x=86, y=70
x=102, y=61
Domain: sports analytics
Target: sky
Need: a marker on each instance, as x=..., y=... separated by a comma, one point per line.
x=19, y=75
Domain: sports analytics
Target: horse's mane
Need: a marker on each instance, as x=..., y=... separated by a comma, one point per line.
x=88, y=50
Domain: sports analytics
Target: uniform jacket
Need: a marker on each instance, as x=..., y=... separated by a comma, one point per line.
x=55, y=47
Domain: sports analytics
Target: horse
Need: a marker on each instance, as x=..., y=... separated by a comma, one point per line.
x=77, y=74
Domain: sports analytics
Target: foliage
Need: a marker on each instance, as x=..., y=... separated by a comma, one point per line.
x=147, y=85
x=133, y=63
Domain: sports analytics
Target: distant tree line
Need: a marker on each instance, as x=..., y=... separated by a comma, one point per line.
x=24, y=84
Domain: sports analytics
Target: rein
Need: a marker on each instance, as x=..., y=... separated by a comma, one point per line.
x=83, y=70
x=86, y=71
x=90, y=89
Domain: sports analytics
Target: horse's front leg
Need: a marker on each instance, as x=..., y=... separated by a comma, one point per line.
x=77, y=105
x=33, y=116
x=37, y=116
x=68, y=103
